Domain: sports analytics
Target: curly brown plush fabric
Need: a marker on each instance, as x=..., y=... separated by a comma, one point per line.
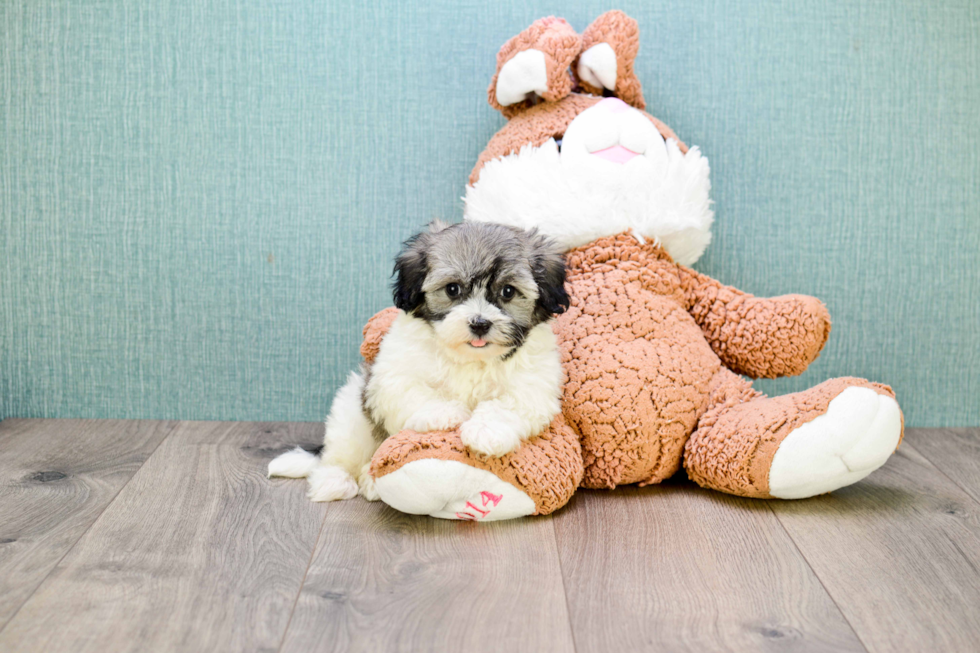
x=639, y=369
x=761, y=338
x=623, y=34
x=374, y=332
x=549, y=470
x=736, y=439
x=641, y=351
x=560, y=45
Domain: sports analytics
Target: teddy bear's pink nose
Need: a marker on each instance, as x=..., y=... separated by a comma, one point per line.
x=614, y=104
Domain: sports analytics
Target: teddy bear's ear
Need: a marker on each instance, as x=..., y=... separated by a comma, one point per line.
x=535, y=62
x=605, y=67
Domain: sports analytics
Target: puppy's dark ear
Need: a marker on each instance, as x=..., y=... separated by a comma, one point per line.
x=411, y=268
x=548, y=268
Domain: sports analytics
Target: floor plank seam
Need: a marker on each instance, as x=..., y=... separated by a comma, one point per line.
x=819, y=580
x=88, y=528
x=942, y=473
x=564, y=588
x=302, y=584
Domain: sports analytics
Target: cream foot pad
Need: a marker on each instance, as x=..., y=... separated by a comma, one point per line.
x=448, y=489
x=856, y=435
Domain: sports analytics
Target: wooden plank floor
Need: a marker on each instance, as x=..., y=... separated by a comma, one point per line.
x=164, y=536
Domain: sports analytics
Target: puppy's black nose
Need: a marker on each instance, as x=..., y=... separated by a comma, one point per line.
x=480, y=325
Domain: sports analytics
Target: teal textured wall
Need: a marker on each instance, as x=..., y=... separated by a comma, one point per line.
x=199, y=201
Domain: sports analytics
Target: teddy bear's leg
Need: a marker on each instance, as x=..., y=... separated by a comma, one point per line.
x=794, y=446
x=435, y=474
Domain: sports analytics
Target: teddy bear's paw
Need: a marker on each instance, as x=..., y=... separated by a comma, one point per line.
x=365, y=483
x=438, y=416
x=856, y=435
x=331, y=483
x=449, y=489
x=489, y=437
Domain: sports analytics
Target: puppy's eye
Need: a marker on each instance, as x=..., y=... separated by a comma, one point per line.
x=452, y=290
x=508, y=292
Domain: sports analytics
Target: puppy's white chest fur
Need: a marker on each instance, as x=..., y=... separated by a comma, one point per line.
x=416, y=374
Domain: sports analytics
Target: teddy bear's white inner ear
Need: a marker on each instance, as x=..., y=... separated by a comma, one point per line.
x=597, y=66
x=525, y=73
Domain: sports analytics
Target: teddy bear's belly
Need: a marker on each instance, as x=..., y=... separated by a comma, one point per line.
x=638, y=370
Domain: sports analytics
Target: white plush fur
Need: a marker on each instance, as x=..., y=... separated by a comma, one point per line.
x=576, y=197
x=423, y=382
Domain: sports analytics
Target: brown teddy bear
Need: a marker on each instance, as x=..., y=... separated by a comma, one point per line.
x=653, y=351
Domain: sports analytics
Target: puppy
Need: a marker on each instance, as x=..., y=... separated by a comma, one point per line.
x=472, y=348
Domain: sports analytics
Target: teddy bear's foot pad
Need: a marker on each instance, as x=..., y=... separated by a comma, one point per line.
x=449, y=489
x=856, y=435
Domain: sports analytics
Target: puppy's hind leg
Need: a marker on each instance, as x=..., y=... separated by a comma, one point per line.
x=348, y=445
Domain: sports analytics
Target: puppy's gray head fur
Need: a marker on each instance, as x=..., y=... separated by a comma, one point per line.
x=480, y=282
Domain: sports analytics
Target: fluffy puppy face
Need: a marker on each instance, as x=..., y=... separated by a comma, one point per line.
x=482, y=287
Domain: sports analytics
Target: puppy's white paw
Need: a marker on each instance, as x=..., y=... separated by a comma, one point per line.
x=489, y=437
x=330, y=483
x=438, y=416
x=366, y=484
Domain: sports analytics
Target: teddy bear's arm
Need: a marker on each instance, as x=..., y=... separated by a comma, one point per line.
x=756, y=336
x=374, y=332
